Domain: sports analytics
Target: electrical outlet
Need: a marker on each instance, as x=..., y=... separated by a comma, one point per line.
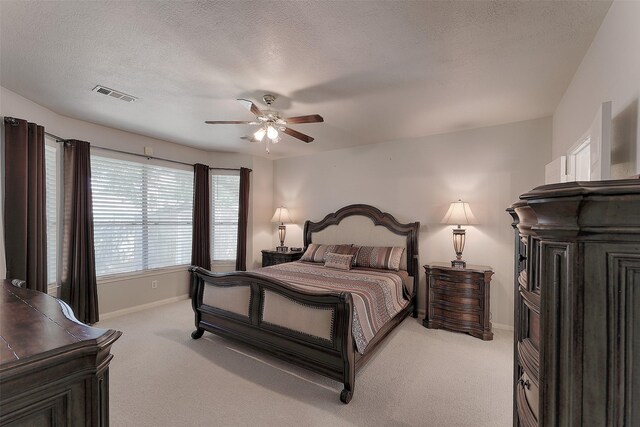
x=154, y=284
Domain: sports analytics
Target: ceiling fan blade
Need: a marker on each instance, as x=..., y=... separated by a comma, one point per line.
x=299, y=135
x=251, y=107
x=312, y=118
x=230, y=122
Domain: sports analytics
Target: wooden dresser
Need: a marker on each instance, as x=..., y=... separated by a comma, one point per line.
x=54, y=370
x=577, y=305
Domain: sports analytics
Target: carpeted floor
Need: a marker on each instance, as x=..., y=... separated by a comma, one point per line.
x=420, y=377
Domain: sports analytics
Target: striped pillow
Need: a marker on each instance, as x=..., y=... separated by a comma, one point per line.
x=342, y=262
x=385, y=257
x=317, y=253
x=350, y=250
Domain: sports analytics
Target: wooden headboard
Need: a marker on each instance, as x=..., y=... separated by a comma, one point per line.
x=401, y=234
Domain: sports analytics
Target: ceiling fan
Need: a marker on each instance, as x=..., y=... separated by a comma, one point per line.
x=271, y=122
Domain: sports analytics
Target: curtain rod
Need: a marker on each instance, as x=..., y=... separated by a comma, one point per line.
x=58, y=139
x=14, y=122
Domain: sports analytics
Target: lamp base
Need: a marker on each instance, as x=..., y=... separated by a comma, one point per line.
x=458, y=263
x=282, y=232
x=458, y=246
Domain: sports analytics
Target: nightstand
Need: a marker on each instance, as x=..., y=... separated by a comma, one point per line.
x=271, y=257
x=457, y=299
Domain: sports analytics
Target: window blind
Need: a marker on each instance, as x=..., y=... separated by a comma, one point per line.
x=225, y=197
x=142, y=215
x=51, y=203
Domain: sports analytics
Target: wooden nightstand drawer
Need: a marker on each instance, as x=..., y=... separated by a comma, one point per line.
x=450, y=315
x=448, y=282
x=457, y=299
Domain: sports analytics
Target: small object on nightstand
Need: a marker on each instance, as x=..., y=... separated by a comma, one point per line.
x=271, y=257
x=457, y=299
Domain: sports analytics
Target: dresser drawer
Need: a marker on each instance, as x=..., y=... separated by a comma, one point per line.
x=529, y=359
x=527, y=402
x=534, y=329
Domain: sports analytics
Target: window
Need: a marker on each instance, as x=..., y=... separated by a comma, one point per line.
x=142, y=215
x=225, y=196
x=51, y=209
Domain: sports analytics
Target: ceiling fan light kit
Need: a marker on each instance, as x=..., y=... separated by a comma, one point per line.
x=260, y=134
x=272, y=133
x=271, y=123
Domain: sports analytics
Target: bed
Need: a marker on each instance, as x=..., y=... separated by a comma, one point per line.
x=310, y=315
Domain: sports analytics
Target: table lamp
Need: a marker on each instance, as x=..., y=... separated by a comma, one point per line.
x=281, y=216
x=459, y=213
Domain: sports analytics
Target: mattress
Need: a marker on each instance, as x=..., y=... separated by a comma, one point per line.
x=378, y=295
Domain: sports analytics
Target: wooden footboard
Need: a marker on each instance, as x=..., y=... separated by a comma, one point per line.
x=248, y=307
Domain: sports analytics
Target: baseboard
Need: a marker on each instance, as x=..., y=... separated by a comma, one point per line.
x=502, y=326
x=128, y=310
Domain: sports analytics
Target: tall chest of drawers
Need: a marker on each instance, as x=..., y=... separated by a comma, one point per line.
x=577, y=305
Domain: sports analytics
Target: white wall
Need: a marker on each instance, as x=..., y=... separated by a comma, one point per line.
x=3, y=264
x=610, y=71
x=417, y=179
x=131, y=291
x=261, y=211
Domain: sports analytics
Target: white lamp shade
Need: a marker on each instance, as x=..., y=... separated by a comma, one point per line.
x=272, y=133
x=282, y=216
x=259, y=134
x=459, y=213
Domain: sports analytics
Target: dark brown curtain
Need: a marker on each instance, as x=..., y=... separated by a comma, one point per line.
x=243, y=219
x=201, y=240
x=25, y=221
x=78, y=257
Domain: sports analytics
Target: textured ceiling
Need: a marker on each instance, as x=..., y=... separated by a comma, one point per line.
x=376, y=71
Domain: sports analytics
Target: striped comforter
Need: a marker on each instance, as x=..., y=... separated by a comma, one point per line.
x=377, y=294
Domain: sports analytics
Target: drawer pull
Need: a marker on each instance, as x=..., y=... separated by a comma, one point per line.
x=525, y=384
x=522, y=258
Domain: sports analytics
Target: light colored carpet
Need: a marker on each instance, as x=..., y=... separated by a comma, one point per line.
x=159, y=376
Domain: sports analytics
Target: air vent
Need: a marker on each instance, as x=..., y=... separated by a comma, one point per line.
x=114, y=93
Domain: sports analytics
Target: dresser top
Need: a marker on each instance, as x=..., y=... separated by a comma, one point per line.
x=585, y=189
x=469, y=267
x=580, y=210
x=33, y=323
x=273, y=251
